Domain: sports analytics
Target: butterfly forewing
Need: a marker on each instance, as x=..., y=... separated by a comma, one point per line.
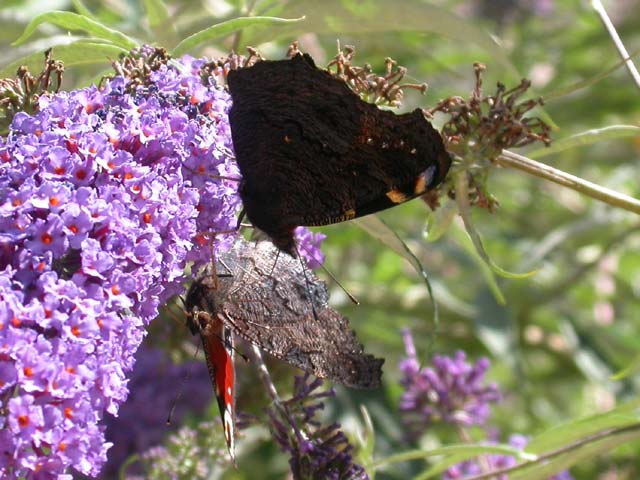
x=311, y=152
x=217, y=343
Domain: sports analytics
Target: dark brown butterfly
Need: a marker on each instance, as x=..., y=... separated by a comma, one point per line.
x=272, y=305
x=312, y=152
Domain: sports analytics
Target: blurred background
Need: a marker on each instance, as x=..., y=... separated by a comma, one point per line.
x=563, y=333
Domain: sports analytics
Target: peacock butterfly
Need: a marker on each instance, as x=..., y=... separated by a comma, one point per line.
x=280, y=307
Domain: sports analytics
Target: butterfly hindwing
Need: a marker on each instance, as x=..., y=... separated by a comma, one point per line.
x=267, y=301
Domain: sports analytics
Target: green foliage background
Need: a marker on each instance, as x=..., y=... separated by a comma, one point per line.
x=563, y=333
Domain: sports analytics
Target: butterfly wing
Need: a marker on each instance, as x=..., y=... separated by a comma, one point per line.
x=217, y=343
x=270, y=304
x=218, y=349
x=312, y=152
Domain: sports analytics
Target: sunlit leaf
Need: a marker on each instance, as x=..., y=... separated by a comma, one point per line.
x=157, y=12
x=349, y=17
x=73, y=21
x=561, y=92
x=227, y=28
x=375, y=227
x=633, y=367
x=439, y=221
x=463, y=207
x=452, y=454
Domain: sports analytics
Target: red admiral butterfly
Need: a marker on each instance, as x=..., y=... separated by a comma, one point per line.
x=312, y=152
x=272, y=305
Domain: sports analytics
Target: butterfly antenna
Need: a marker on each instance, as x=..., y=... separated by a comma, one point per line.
x=347, y=292
x=273, y=268
x=173, y=315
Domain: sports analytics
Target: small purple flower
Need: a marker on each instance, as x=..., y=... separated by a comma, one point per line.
x=451, y=391
x=308, y=244
x=315, y=451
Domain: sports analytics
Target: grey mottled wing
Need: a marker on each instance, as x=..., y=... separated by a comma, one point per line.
x=267, y=301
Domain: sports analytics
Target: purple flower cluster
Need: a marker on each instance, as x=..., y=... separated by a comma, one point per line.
x=452, y=391
x=316, y=451
x=491, y=462
x=102, y=195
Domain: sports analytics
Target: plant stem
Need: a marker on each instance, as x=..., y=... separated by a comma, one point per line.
x=264, y=375
x=606, y=21
x=590, y=439
x=611, y=197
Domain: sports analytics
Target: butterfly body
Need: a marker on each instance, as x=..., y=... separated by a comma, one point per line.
x=311, y=152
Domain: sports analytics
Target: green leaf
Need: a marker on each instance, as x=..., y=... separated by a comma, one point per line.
x=157, y=13
x=366, y=438
x=73, y=21
x=81, y=52
x=439, y=221
x=560, y=447
x=586, y=138
x=471, y=452
x=375, y=227
x=463, y=206
x=543, y=470
x=463, y=239
x=575, y=430
x=633, y=367
x=226, y=28
x=339, y=18
x=453, y=454
x=82, y=9
x=561, y=92
x=495, y=327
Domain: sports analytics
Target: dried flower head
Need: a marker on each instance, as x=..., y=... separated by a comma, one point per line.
x=21, y=94
x=480, y=127
x=383, y=89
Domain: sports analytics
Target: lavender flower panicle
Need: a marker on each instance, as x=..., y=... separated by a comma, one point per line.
x=452, y=391
x=316, y=451
x=102, y=194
